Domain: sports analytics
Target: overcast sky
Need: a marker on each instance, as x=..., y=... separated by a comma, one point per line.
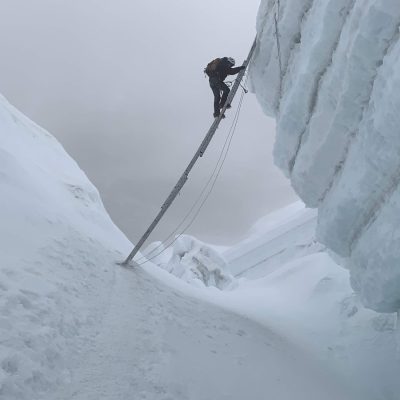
x=120, y=83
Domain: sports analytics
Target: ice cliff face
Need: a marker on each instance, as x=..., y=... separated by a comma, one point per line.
x=332, y=81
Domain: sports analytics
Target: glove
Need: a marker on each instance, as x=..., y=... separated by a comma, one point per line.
x=242, y=67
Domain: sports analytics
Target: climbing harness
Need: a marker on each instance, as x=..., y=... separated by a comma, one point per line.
x=199, y=153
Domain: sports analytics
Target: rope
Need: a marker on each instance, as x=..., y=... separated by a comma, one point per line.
x=199, y=153
x=199, y=197
x=193, y=206
x=230, y=83
x=278, y=43
x=198, y=211
x=227, y=141
x=223, y=156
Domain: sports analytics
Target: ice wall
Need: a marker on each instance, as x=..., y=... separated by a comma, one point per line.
x=332, y=81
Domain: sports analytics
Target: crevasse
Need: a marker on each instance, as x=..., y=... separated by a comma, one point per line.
x=337, y=106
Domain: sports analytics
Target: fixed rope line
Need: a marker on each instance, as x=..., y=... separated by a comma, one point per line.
x=229, y=83
x=231, y=131
x=184, y=177
x=151, y=253
x=278, y=42
x=199, y=153
x=223, y=157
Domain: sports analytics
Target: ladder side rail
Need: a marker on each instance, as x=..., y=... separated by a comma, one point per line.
x=200, y=151
x=174, y=193
x=233, y=91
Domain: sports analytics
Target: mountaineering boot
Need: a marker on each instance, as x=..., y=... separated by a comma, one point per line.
x=228, y=106
x=216, y=115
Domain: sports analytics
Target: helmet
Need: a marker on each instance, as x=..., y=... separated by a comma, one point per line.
x=231, y=60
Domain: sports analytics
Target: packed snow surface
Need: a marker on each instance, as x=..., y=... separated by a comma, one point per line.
x=332, y=81
x=287, y=281
x=57, y=245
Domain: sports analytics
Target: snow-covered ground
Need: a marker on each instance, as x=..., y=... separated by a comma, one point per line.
x=285, y=280
x=299, y=291
x=336, y=101
x=74, y=325
x=58, y=246
x=157, y=342
x=273, y=317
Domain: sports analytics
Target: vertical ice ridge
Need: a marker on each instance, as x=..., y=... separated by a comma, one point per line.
x=296, y=40
x=321, y=86
x=374, y=267
x=338, y=168
x=373, y=213
x=393, y=182
x=315, y=94
x=319, y=37
x=338, y=129
x=336, y=173
x=262, y=16
x=265, y=61
x=361, y=181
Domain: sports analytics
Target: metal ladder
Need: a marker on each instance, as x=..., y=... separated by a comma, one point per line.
x=199, y=153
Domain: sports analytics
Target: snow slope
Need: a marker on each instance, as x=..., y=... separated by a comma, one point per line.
x=286, y=281
x=336, y=101
x=57, y=249
x=300, y=292
x=74, y=325
x=167, y=345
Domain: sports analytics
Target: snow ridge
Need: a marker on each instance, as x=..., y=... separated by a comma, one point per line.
x=58, y=246
x=337, y=127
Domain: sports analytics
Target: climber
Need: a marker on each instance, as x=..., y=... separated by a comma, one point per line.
x=218, y=70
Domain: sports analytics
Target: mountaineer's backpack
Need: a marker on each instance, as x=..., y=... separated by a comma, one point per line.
x=212, y=67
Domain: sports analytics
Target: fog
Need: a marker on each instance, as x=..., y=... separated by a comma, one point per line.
x=120, y=83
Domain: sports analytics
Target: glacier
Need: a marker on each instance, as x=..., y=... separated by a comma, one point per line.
x=328, y=72
x=274, y=316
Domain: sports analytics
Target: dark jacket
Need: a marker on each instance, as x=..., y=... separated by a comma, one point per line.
x=224, y=69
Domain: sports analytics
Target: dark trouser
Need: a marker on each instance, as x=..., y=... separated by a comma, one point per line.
x=217, y=87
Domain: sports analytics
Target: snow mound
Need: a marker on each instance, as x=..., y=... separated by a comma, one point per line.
x=58, y=247
x=336, y=100
x=194, y=262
